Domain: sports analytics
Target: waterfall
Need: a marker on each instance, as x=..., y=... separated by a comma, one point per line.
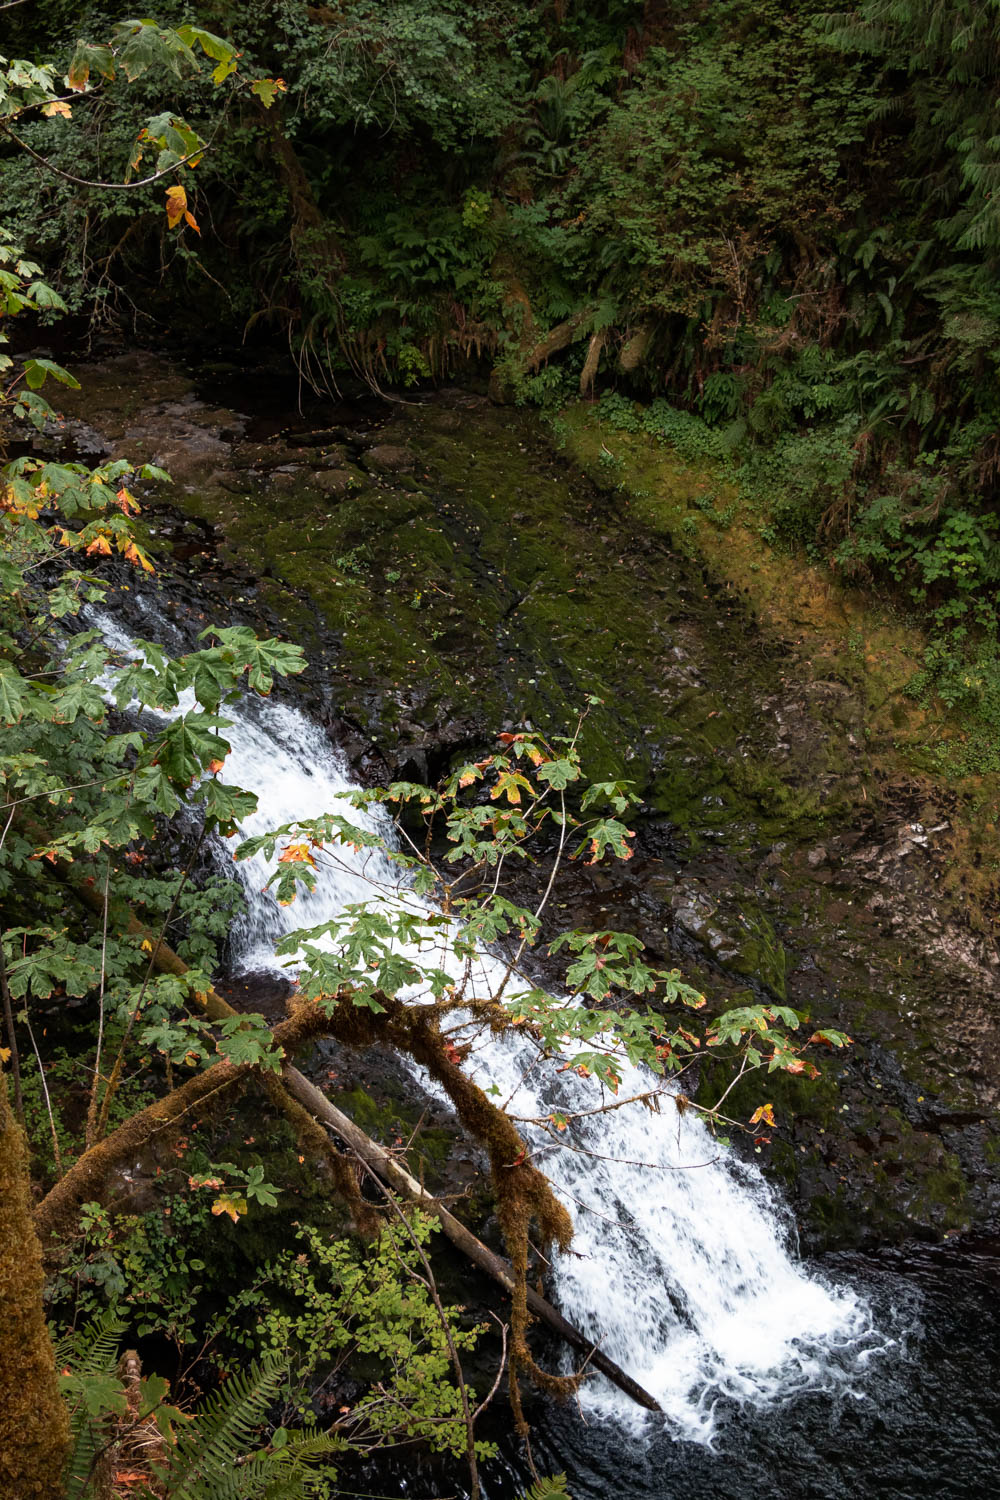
x=680, y=1264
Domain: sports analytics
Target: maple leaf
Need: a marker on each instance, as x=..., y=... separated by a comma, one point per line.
x=227, y=1203
x=58, y=107
x=177, y=208
x=101, y=545
x=296, y=854
x=765, y=1113
x=134, y=555
x=176, y=205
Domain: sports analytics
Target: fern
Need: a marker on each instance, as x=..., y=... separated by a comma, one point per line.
x=92, y=1392
x=552, y=1487
x=207, y=1461
x=91, y=1350
x=217, y=1454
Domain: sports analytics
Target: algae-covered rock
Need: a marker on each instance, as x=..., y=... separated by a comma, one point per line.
x=335, y=482
x=389, y=458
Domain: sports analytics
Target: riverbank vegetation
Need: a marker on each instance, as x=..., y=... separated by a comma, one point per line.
x=773, y=225
x=763, y=236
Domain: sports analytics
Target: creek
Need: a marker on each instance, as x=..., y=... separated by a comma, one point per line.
x=776, y=1376
x=849, y=1372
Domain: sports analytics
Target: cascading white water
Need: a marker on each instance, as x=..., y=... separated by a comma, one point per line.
x=679, y=1265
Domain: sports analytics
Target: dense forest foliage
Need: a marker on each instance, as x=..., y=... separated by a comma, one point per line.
x=763, y=233
x=776, y=222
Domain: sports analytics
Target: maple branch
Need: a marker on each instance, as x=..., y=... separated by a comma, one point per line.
x=111, y=186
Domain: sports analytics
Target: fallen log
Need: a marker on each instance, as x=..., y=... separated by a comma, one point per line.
x=392, y=1172
x=396, y=1175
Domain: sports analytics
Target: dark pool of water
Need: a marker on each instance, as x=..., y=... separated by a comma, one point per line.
x=924, y=1421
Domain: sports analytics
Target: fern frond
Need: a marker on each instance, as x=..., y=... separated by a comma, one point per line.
x=553, y=1487
x=205, y=1464
x=91, y=1353
x=86, y=1441
x=92, y=1350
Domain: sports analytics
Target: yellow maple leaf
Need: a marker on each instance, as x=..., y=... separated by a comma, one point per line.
x=177, y=203
x=135, y=555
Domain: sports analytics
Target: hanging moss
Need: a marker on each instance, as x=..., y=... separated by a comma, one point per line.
x=523, y=1193
x=34, y=1426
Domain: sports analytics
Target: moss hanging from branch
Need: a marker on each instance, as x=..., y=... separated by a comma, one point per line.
x=523, y=1194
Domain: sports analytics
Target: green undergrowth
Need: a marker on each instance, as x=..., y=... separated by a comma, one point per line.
x=942, y=746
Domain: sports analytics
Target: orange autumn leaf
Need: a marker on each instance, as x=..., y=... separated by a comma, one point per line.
x=296, y=854
x=100, y=545
x=134, y=555
x=765, y=1113
x=57, y=107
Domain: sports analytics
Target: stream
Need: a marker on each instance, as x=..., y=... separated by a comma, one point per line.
x=865, y=1367
x=777, y=1376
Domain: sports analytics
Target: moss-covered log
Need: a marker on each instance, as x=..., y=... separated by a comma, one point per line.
x=57, y=1213
x=524, y=1194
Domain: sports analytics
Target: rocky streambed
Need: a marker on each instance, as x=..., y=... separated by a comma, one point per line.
x=451, y=575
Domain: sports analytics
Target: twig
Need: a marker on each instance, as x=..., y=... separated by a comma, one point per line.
x=116, y=1070
x=15, y=1061
x=57, y=1154
x=96, y=1083
x=87, y=182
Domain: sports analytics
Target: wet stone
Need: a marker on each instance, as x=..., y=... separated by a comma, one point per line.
x=334, y=481
x=389, y=458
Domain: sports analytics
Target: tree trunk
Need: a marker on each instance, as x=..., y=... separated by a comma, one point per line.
x=34, y=1425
